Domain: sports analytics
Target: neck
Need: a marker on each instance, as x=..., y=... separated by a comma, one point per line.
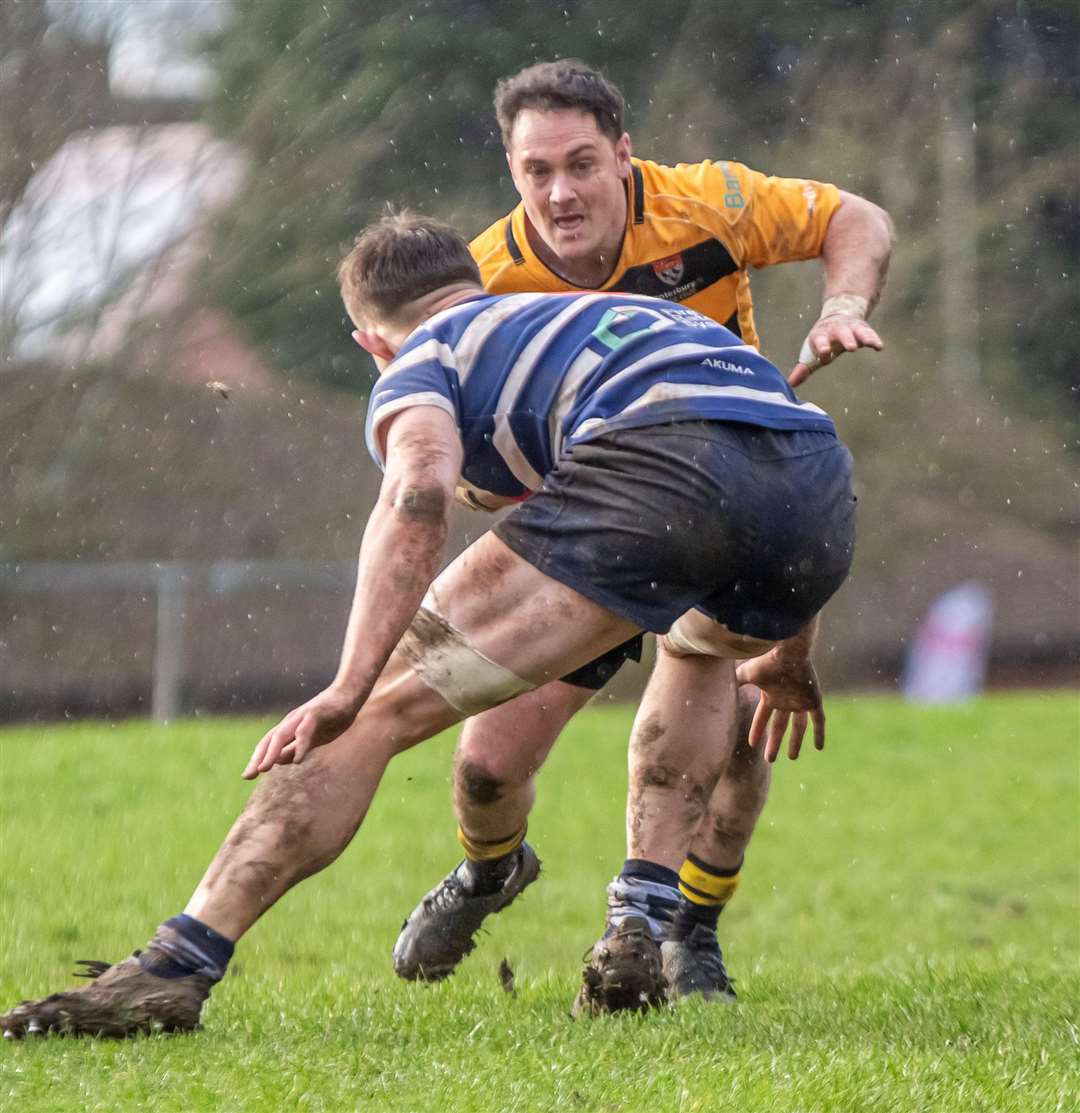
x=397, y=332
x=445, y=297
x=591, y=272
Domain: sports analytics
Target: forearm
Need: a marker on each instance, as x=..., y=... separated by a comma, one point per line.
x=399, y=558
x=856, y=251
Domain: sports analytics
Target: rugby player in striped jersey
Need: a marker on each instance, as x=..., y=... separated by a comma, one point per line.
x=675, y=484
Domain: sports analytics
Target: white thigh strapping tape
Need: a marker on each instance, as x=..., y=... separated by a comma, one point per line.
x=442, y=657
x=684, y=642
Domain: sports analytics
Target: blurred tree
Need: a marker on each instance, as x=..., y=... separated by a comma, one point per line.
x=347, y=106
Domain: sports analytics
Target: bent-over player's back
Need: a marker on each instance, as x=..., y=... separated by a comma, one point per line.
x=526, y=375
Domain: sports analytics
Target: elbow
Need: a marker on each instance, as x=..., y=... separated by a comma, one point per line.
x=884, y=231
x=422, y=502
x=868, y=222
x=887, y=228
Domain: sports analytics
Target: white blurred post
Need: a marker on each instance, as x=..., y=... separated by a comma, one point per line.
x=959, y=227
x=169, y=644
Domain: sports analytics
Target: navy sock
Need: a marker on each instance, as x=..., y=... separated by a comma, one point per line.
x=484, y=878
x=641, y=869
x=190, y=947
x=690, y=914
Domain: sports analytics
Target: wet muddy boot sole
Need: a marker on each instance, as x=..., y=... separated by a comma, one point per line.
x=122, y=1000
x=624, y=973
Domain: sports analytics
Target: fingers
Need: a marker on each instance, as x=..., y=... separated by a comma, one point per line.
x=867, y=337
x=799, y=374
x=302, y=739
x=798, y=731
x=777, y=729
x=251, y=770
x=771, y=724
x=829, y=338
x=268, y=752
x=746, y=671
x=757, y=726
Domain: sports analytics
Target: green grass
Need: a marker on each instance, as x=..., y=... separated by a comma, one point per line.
x=907, y=936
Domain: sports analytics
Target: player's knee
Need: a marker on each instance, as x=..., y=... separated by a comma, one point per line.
x=477, y=783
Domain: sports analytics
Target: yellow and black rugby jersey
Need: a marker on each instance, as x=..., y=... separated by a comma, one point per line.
x=692, y=232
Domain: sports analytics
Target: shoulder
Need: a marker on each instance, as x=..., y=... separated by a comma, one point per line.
x=722, y=188
x=708, y=180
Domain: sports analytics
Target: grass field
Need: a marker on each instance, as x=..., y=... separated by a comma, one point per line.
x=907, y=936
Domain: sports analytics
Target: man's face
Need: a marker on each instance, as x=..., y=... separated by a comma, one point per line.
x=571, y=179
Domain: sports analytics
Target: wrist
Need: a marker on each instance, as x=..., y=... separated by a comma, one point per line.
x=351, y=690
x=845, y=305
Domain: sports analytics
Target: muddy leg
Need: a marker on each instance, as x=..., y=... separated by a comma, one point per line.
x=738, y=798
x=682, y=738
x=499, y=754
x=303, y=816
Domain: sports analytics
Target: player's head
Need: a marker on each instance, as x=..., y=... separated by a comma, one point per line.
x=398, y=272
x=569, y=155
x=559, y=86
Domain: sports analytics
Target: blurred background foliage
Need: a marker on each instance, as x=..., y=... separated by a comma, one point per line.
x=290, y=123
x=343, y=111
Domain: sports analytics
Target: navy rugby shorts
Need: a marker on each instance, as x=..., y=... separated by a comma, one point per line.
x=754, y=527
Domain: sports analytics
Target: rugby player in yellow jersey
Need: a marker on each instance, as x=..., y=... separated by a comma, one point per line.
x=592, y=216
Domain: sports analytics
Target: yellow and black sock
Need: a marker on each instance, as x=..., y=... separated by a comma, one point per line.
x=488, y=862
x=707, y=890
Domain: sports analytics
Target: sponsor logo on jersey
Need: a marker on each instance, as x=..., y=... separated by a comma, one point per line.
x=811, y=196
x=670, y=270
x=726, y=365
x=733, y=199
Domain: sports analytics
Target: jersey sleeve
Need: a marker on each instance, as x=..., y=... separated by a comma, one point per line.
x=777, y=220
x=422, y=374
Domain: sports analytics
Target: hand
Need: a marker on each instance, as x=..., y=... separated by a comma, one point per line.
x=789, y=686
x=830, y=337
x=315, y=723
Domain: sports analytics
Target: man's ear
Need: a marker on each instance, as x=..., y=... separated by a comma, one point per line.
x=622, y=154
x=372, y=342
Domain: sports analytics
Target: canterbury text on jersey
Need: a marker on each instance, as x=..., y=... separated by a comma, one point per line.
x=525, y=375
x=692, y=232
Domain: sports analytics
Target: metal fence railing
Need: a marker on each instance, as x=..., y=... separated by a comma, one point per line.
x=176, y=635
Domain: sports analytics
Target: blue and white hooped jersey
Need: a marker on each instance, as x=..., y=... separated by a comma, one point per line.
x=527, y=376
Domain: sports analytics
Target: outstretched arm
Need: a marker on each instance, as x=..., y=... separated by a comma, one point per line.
x=858, y=245
x=399, y=557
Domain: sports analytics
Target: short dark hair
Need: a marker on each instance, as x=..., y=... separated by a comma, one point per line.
x=400, y=258
x=549, y=86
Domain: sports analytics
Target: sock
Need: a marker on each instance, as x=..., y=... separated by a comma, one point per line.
x=641, y=869
x=706, y=890
x=189, y=948
x=488, y=863
x=645, y=889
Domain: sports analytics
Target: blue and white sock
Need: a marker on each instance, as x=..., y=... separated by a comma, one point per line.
x=190, y=947
x=644, y=889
